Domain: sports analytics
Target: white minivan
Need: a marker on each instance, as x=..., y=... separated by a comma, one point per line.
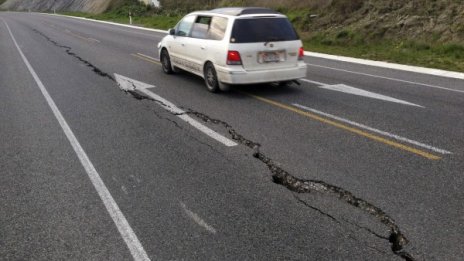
x=228, y=46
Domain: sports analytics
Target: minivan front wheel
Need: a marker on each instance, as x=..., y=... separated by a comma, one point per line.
x=211, y=79
x=166, y=62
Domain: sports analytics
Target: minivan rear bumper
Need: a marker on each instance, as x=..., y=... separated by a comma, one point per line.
x=232, y=75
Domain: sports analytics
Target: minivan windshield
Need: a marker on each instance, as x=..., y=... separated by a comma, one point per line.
x=262, y=29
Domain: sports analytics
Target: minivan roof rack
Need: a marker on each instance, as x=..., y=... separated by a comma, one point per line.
x=237, y=11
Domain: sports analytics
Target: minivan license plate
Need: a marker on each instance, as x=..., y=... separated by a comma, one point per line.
x=270, y=57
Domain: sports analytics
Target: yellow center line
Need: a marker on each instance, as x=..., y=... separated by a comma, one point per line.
x=348, y=128
x=81, y=37
x=145, y=59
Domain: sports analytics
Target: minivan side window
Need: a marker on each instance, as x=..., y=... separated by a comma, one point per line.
x=218, y=28
x=207, y=27
x=200, y=27
x=184, y=26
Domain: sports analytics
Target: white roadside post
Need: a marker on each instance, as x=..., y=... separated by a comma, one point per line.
x=130, y=17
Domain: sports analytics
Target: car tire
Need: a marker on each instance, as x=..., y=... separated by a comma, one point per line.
x=166, y=62
x=211, y=79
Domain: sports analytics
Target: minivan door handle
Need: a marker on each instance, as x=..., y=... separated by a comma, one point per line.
x=203, y=47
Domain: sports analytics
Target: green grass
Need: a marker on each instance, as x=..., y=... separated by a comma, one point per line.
x=434, y=55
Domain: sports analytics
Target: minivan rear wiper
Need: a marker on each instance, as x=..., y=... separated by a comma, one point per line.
x=273, y=39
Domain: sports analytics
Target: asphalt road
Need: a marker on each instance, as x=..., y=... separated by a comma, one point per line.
x=337, y=176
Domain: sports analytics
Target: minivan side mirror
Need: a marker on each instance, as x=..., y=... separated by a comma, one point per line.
x=172, y=31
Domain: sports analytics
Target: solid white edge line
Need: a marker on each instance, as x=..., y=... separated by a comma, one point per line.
x=401, y=67
x=386, y=78
x=169, y=106
x=131, y=240
x=384, y=133
x=197, y=219
x=111, y=23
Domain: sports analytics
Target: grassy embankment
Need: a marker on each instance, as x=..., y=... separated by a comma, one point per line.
x=447, y=56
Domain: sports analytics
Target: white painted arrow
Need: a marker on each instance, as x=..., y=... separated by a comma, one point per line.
x=355, y=91
x=128, y=84
x=360, y=92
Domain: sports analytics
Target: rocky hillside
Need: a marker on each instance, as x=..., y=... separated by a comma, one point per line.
x=89, y=6
x=425, y=20
x=428, y=20
x=439, y=21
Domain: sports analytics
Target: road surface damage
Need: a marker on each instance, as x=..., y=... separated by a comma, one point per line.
x=69, y=52
x=280, y=176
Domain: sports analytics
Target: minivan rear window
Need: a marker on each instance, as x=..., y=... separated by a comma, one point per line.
x=263, y=29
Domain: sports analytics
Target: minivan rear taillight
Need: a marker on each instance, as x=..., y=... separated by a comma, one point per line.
x=233, y=58
x=301, y=54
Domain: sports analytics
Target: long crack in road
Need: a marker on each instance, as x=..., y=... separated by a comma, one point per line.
x=279, y=175
x=282, y=177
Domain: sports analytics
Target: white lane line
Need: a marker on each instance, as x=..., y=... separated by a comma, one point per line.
x=359, y=92
x=197, y=219
x=387, y=78
x=149, y=57
x=131, y=240
x=93, y=39
x=384, y=133
x=105, y=23
x=128, y=84
x=314, y=82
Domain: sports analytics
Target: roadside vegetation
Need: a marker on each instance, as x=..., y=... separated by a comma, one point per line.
x=419, y=32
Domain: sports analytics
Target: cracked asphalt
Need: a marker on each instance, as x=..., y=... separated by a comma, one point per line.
x=295, y=188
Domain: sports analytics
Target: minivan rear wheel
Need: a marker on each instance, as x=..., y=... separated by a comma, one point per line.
x=166, y=62
x=211, y=80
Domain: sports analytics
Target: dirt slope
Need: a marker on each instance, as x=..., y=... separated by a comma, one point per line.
x=435, y=20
